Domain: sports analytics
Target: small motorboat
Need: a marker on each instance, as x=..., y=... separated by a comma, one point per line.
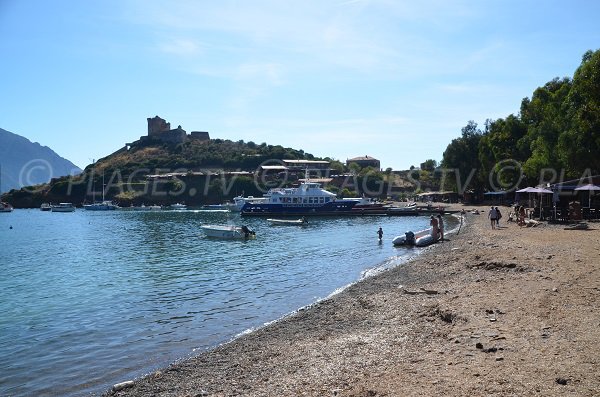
x=228, y=231
x=45, y=207
x=178, y=206
x=5, y=207
x=63, y=207
x=413, y=238
x=288, y=222
x=216, y=207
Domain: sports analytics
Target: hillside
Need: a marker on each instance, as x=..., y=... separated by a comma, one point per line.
x=26, y=163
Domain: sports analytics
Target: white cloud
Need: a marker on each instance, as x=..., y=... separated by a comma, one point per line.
x=180, y=47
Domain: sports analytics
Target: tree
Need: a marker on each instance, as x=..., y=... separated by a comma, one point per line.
x=502, y=150
x=579, y=145
x=546, y=118
x=461, y=159
x=429, y=165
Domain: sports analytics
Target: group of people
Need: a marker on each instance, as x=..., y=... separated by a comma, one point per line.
x=495, y=215
x=521, y=214
x=437, y=227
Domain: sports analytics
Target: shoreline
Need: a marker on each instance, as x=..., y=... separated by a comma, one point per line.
x=425, y=327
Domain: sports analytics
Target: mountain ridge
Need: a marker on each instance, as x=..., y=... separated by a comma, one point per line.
x=26, y=163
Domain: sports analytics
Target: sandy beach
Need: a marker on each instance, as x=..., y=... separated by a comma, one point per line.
x=511, y=311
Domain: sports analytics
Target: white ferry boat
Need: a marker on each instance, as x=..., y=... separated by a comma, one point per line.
x=307, y=199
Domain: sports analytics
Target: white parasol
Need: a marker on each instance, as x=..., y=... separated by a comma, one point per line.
x=589, y=188
x=538, y=190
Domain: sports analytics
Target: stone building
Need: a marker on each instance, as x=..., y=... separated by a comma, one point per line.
x=200, y=135
x=364, y=161
x=159, y=130
x=156, y=126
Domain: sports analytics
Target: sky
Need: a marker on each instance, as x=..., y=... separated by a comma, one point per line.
x=395, y=80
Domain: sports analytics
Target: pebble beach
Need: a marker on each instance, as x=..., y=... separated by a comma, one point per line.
x=511, y=311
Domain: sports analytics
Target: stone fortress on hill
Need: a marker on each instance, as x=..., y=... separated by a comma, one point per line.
x=160, y=131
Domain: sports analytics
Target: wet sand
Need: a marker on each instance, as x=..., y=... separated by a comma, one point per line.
x=512, y=311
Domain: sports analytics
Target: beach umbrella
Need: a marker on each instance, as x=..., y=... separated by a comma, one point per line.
x=589, y=188
x=536, y=190
x=526, y=190
x=540, y=190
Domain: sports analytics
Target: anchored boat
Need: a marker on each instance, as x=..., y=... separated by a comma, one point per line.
x=288, y=222
x=228, y=232
x=5, y=207
x=307, y=199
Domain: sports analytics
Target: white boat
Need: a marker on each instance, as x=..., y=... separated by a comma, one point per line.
x=216, y=207
x=228, y=232
x=63, y=207
x=240, y=201
x=307, y=199
x=5, y=207
x=178, y=206
x=103, y=206
x=144, y=207
x=425, y=240
x=411, y=238
x=45, y=207
x=288, y=222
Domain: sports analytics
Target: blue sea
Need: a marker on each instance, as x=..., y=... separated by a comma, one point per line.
x=90, y=299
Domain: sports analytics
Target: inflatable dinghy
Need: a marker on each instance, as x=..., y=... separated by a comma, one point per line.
x=411, y=238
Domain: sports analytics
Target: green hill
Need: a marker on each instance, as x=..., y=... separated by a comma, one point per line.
x=151, y=171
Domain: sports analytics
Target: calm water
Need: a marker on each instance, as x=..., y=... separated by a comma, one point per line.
x=89, y=299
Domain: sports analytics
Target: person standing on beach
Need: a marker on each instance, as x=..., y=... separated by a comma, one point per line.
x=493, y=215
x=434, y=228
x=498, y=216
x=380, y=233
x=440, y=227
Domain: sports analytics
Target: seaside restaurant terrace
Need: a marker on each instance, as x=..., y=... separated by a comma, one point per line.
x=573, y=200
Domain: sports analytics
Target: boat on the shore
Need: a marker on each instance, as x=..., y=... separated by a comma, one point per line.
x=45, y=207
x=5, y=207
x=418, y=238
x=228, y=231
x=288, y=222
x=178, y=206
x=307, y=199
x=366, y=205
x=63, y=207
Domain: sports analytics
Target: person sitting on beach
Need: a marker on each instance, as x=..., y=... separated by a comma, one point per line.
x=434, y=228
x=440, y=227
x=492, y=215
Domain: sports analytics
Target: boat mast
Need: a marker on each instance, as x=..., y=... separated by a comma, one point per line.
x=93, y=181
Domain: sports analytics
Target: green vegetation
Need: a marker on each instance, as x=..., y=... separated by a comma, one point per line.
x=555, y=135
